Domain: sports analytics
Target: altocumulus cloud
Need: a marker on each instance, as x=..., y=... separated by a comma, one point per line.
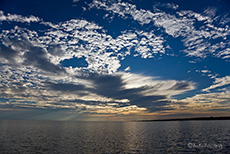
x=199, y=41
x=31, y=87
x=33, y=75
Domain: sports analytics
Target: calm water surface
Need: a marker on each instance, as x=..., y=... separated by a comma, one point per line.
x=114, y=137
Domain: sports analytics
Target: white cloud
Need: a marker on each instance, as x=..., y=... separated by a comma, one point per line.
x=219, y=82
x=28, y=87
x=127, y=69
x=167, y=5
x=18, y=18
x=89, y=40
x=82, y=38
x=204, y=103
x=155, y=85
x=205, y=71
x=208, y=73
x=198, y=40
x=146, y=44
x=75, y=1
x=210, y=11
x=108, y=109
x=28, y=82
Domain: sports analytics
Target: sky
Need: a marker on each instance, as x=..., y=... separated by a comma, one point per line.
x=114, y=60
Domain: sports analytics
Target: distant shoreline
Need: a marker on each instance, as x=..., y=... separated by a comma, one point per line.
x=188, y=119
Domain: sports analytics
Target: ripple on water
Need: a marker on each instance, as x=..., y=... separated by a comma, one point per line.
x=114, y=137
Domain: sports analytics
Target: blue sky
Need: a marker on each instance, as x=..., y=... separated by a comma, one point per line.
x=114, y=60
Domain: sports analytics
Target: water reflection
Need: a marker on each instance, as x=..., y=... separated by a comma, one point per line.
x=114, y=137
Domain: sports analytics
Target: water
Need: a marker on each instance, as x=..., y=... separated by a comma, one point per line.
x=114, y=137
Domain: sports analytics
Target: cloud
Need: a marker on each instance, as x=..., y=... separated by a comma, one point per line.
x=127, y=69
x=18, y=18
x=210, y=11
x=225, y=19
x=203, y=103
x=199, y=41
x=32, y=74
x=25, y=87
x=24, y=52
x=219, y=82
x=167, y=5
x=205, y=71
x=8, y=53
x=109, y=109
x=75, y=1
x=41, y=54
x=37, y=57
x=79, y=38
x=66, y=87
x=123, y=9
x=140, y=90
